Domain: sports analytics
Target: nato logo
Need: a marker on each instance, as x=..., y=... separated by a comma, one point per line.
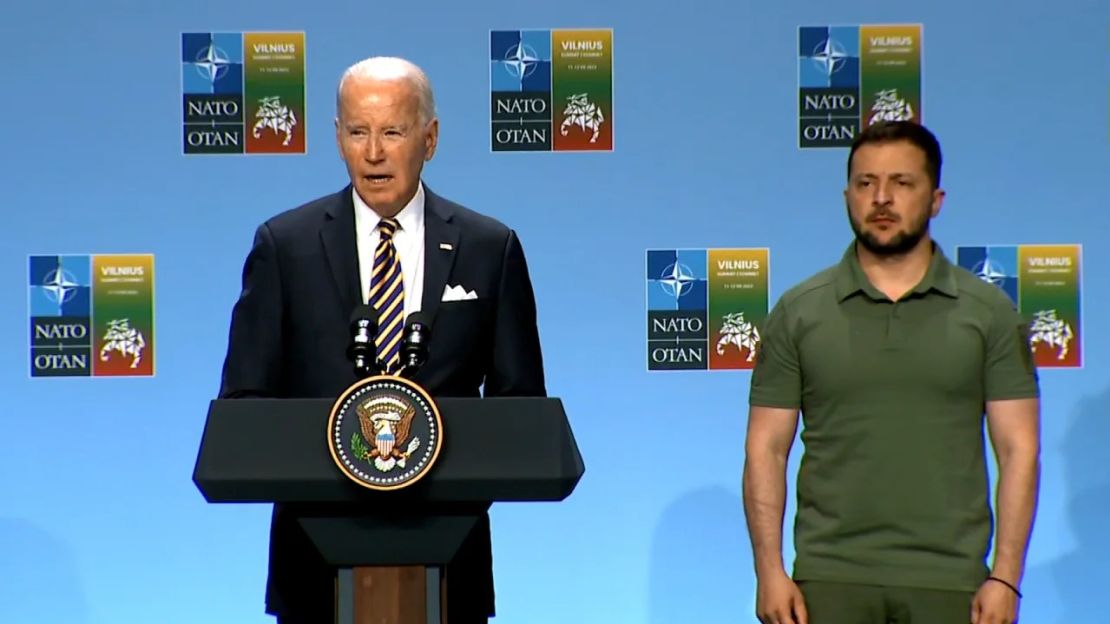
x=60, y=300
x=521, y=60
x=520, y=90
x=828, y=57
x=994, y=265
x=828, y=85
x=212, y=85
x=677, y=301
x=677, y=280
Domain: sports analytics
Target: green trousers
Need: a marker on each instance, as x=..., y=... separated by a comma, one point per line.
x=846, y=603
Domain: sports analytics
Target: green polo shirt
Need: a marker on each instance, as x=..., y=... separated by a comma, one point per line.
x=892, y=488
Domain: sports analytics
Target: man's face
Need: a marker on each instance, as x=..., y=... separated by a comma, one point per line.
x=890, y=197
x=383, y=142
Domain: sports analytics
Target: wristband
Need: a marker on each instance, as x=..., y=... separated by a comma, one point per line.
x=1007, y=584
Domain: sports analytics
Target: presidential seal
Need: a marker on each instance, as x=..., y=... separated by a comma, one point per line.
x=385, y=432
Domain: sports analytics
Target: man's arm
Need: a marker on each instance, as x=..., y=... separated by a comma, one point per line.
x=770, y=435
x=253, y=363
x=775, y=399
x=1014, y=427
x=1012, y=404
x=517, y=365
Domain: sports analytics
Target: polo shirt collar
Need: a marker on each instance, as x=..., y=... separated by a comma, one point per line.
x=850, y=278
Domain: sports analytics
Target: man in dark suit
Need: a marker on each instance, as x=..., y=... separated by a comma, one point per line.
x=388, y=241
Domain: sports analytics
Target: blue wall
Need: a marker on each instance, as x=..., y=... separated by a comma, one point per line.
x=99, y=521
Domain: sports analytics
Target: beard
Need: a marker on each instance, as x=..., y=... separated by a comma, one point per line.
x=901, y=243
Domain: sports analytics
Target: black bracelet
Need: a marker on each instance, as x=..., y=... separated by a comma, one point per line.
x=995, y=578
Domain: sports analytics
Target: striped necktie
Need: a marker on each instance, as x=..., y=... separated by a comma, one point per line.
x=387, y=296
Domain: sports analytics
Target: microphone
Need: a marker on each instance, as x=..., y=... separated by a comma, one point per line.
x=362, y=351
x=414, y=344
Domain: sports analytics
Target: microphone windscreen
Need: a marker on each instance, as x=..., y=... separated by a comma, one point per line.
x=364, y=312
x=417, y=317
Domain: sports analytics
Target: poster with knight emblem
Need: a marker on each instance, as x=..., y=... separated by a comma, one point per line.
x=705, y=307
x=91, y=315
x=1045, y=283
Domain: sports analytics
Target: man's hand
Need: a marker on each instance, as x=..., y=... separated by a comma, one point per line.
x=994, y=604
x=779, y=601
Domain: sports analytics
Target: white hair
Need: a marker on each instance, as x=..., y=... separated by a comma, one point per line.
x=392, y=68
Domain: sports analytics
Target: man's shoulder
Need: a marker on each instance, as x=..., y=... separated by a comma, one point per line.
x=811, y=288
x=296, y=220
x=471, y=221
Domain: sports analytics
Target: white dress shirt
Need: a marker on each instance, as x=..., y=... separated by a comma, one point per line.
x=408, y=240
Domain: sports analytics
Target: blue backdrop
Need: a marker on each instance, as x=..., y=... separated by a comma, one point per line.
x=99, y=520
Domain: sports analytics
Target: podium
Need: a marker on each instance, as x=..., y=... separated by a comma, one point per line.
x=389, y=548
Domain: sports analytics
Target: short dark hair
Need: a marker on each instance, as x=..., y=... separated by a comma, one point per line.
x=890, y=131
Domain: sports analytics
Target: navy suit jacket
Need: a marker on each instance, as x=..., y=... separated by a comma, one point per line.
x=290, y=326
x=290, y=329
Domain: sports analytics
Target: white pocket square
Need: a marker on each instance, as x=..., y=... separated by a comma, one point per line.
x=458, y=293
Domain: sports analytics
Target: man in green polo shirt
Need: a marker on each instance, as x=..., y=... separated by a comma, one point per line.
x=893, y=357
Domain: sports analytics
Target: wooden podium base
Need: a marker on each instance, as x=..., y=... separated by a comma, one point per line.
x=390, y=595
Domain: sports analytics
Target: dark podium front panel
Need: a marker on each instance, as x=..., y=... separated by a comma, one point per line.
x=497, y=449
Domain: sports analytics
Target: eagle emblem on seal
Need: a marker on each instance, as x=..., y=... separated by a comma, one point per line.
x=385, y=423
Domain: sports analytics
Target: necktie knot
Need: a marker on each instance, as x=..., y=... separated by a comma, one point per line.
x=388, y=227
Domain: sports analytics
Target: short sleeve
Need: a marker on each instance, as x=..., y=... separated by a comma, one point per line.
x=1010, y=372
x=777, y=376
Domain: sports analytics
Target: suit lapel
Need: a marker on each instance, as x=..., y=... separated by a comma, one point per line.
x=441, y=244
x=338, y=237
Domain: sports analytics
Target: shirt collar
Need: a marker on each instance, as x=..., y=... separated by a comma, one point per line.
x=850, y=278
x=411, y=217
